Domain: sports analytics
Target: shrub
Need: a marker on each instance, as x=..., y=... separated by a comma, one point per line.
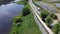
x=26, y=11
x=57, y=28
x=18, y=24
x=53, y=16
x=44, y=14
x=25, y=1
x=49, y=20
x=18, y=19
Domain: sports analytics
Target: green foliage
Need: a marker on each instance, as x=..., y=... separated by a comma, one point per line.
x=49, y=20
x=18, y=24
x=53, y=16
x=18, y=19
x=57, y=28
x=21, y=2
x=5, y=1
x=26, y=10
x=24, y=2
x=28, y=25
x=36, y=0
x=15, y=32
x=44, y=14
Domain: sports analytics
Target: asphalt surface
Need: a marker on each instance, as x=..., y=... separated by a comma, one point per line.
x=38, y=23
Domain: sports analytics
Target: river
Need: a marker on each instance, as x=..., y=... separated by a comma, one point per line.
x=7, y=12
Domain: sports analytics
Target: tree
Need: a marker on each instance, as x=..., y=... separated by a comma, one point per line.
x=26, y=10
x=25, y=1
x=18, y=24
x=57, y=28
x=18, y=19
x=53, y=16
x=44, y=14
x=49, y=20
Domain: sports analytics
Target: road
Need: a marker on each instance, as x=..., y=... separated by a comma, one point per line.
x=41, y=27
x=47, y=7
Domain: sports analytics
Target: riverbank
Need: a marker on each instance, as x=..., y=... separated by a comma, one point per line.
x=27, y=24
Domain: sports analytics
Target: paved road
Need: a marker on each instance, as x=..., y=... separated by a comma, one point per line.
x=42, y=26
x=47, y=7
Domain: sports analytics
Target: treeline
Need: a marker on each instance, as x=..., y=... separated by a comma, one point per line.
x=5, y=1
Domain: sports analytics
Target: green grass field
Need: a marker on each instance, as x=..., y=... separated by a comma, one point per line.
x=28, y=25
x=37, y=0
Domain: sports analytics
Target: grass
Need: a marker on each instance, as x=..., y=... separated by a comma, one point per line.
x=28, y=25
x=36, y=0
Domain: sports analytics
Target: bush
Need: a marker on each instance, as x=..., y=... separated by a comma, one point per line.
x=53, y=16
x=18, y=20
x=26, y=11
x=15, y=32
x=44, y=14
x=49, y=21
x=25, y=2
x=18, y=24
x=57, y=28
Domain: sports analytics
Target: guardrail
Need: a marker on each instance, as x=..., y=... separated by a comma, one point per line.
x=48, y=30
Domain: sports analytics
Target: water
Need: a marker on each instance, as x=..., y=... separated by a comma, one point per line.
x=7, y=12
